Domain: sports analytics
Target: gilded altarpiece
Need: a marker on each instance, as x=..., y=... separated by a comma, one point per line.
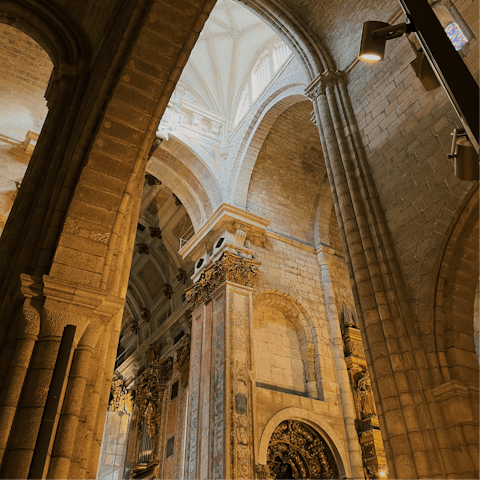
x=220, y=438
x=366, y=423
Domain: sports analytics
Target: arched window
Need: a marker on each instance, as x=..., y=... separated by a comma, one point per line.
x=280, y=54
x=243, y=106
x=455, y=35
x=261, y=75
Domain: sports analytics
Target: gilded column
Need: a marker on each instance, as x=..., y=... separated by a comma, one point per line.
x=220, y=436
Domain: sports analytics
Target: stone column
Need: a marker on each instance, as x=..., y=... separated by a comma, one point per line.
x=327, y=260
x=220, y=430
x=21, y=412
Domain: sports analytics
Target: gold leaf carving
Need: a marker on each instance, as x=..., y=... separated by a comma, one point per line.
x=231, y=268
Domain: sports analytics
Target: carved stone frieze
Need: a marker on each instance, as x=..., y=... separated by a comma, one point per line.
x=298, y=451
x=231, y=268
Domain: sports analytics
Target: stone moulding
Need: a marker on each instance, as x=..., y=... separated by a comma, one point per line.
x=229, y=268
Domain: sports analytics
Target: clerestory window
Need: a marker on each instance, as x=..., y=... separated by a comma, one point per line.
x=261, y=75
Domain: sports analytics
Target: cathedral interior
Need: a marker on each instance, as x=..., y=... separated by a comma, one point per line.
x=231, y=248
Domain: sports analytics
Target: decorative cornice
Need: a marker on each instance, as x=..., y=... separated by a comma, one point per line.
x=252, y=224
x=229, y=268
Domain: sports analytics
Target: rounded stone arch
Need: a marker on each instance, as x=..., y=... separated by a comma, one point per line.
x=184, y=152
x=301, y=317
x=64, y=45
x=177, y=184
x=292, y=308
x=142, y=294
x=259, y=131
x=312, y=57
x=454, y=294
x=315, y=421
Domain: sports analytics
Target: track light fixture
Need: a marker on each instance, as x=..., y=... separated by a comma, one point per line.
x=374, y=37
x=436, y=49
x=465, y=157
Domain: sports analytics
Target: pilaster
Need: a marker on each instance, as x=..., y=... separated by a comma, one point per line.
x=221, y=403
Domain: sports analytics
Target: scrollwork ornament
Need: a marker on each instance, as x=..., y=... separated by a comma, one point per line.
x=231, y=268
x=183, y=354
x=121, y=400
x=150, y=387
x=297, y=451
x=262, y=472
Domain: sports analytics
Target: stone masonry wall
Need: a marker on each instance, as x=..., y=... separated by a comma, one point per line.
x=406, y=133
x=277, y=350
x=25, y=70
x=288, y=174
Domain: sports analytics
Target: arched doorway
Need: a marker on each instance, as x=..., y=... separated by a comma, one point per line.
x=296, y=450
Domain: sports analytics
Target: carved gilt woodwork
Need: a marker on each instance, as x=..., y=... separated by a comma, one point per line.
x=121, y=399
x=297, y=451
x=183, y=354
x=366, y=421
x=231, y=268
x=150, y=387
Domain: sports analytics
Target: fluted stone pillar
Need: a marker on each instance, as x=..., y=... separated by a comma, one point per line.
x=220, y=438
x=327, y=261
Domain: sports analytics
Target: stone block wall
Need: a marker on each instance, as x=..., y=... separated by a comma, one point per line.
x=292, y=271
x=25, y=70
x=277, y=351
x=288, y=174
x=406, y=133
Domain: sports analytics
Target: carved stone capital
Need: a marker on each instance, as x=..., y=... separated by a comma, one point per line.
x=315, y=92
x=230, y=268
x=318, y=85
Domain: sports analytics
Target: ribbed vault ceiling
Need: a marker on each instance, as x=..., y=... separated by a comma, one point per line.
x=223, y=55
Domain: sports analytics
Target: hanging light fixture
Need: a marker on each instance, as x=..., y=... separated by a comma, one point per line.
x=449, y=68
